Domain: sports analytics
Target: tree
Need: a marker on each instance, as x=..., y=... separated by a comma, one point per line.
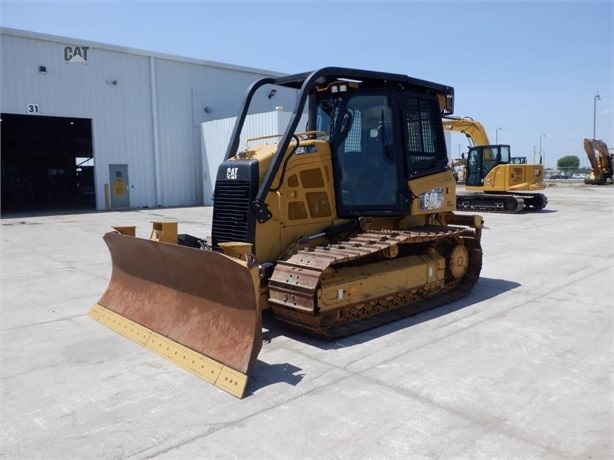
x=568, y=162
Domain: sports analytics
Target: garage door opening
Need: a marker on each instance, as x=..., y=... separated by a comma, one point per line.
x=47, y=164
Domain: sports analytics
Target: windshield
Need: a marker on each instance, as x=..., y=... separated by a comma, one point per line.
x=364, y=157
x=505, y=154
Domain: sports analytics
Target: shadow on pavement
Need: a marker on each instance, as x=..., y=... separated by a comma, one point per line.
x=265, y=374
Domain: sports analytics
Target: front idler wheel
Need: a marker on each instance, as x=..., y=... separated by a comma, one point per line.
x=458, y=261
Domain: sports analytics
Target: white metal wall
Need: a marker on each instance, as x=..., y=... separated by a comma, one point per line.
x=216, y=136
x=186, y=97
x=146, y=108
x=121, y=114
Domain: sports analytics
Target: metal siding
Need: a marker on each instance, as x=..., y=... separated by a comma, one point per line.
x=121, y=114
x=122, y=117
x=183, y=92
x=123, y=131
x=59, y=92
x=176, y=136
x=216, y=136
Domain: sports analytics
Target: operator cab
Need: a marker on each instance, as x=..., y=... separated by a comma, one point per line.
x=380, y=138
x=482, y=159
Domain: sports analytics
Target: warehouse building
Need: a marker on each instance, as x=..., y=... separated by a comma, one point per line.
x=94, y=126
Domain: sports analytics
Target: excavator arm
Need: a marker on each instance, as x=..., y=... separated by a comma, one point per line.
x=474, y=130
x=601, y=161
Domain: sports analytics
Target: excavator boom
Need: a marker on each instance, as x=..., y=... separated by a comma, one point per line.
x=473, y=129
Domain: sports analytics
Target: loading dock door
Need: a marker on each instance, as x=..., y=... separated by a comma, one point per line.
x=120, y=191
x=47, y=164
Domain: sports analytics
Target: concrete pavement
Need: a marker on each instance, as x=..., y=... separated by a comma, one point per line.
x=521, y=368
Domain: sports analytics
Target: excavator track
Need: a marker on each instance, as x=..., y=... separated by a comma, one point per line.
x=534, y=202
x=501, y=203
x=295, y=288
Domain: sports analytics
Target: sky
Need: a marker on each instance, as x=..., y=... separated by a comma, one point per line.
x=528, y=71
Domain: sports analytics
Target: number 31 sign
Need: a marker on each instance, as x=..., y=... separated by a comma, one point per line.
x=32, y=109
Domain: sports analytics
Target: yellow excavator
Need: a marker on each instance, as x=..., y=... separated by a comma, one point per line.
x=494, y=180
x=336, y=229
x=601, y=161
x=459, y=168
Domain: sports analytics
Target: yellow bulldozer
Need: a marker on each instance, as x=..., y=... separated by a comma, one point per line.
x=601, y=160
x=336, y=229
x=494, y=180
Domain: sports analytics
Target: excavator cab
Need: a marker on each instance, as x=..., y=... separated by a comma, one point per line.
x=482, y=159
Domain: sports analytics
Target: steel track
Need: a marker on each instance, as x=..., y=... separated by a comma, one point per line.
x=501, y=203
x=293, y=286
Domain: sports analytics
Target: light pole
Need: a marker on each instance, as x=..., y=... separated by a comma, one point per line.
x=534, y=159
x=595, y=99
x=497, y=135
x=541, y=136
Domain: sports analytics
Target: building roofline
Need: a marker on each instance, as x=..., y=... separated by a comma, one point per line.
x=139, y=52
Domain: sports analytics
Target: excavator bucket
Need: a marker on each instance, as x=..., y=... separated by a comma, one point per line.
x=195, y=307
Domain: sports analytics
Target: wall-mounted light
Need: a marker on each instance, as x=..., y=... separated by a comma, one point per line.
x=42, y=69
x=112, y=82
x=272, y=93
x=208, y=110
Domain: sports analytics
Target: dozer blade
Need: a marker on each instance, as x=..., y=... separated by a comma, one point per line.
x=197, y=308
